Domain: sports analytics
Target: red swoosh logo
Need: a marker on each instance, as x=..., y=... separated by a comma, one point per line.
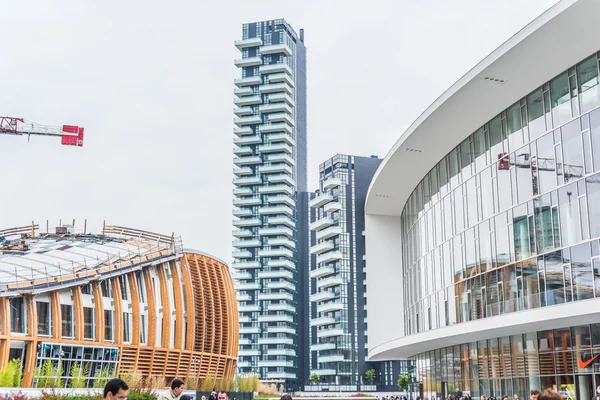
x=584, y=364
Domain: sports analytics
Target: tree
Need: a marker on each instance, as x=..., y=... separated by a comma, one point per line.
x=403, y=382
x=370, y=375
x=314, y=378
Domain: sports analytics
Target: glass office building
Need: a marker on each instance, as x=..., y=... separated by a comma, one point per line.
x=269, y=172
x=499, y=261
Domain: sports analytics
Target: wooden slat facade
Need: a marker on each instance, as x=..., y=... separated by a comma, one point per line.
x=190, y=286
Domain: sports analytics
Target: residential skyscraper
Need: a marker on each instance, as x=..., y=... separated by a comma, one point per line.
x=270, y=171
x=338, y=310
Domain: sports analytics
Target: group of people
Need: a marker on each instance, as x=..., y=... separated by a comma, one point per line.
x=535, y=394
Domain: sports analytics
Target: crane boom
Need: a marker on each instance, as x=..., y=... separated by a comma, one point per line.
x=70, y=135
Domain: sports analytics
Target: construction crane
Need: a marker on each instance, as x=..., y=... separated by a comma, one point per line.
x=70, y=135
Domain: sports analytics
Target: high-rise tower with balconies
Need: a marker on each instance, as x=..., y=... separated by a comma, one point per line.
x=269, y=172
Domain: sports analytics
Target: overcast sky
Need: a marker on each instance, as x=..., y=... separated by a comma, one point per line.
x=152, y=83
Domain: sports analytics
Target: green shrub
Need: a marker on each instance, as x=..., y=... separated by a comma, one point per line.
x=79, y=376
x=101, y=377
x=137, y=394
x=10, y=376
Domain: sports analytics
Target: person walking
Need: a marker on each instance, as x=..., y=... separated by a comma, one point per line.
x=534, y=394
x=550, y=394
x=116, y=389
x=174, y=393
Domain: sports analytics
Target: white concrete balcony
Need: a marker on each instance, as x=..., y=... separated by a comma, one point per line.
x=333, y=206
x=276, y=296
x=274, y=68
x=243, y=131
x=322, y=223
x=329, y=282
x=248, y=160
x=282, y=137
x=281, y=158
x=247, y=101
x=248, y=308
x=282, y=242
x=247, y=181
x=331, y=183
x=281, y=252
x=242, y=212
x=271, y=375
x=265, y=363
x=248, y=62
x=321, y=321
x=249, y=353
x=329, y=307
x=249, y=330
x=247, y=201
x=243, y=297
x=241, y=276
x=242, y=171
x=320, y=200
x=329, y=257
x=276, y=210
x=281, y=199
x=322, y=271
x=276, y=108
x=281, y=352
x=331, y=358
x=242, y=111
x=322, y=346
x=325, y=333
x=246, y=264
x=244, y=319
x=276, y=49
x=274, y=189
x=243, y=91
x=279, y=274
x=241, y=233
x=243, y=151
x=275, y=318
x=276, y=97
x=322, y=296
x=275, y=340
x=244, y=244
x=250, y=42
x=282, y=307
x=322, y=247
x=281, y=329
x=248, y=81
x=278, y=231
x=324, y=372
x=241, y=254
x=282, y=264
x=248, y=286
x=250, y=120
x=247, y=222
x=275, y=168
x=281, y=77
x=247, y=140
x=281, y=178
x=239, y=192
x=276, y=148
x=281, y=285
x=329, y=233
x=281, y=221
x=244, y=364
x=281, y=117
x=275, y=88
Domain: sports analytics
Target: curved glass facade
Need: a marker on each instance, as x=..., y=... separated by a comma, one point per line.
x=510, y=219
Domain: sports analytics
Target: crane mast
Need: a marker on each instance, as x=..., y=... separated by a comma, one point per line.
x=70, y=135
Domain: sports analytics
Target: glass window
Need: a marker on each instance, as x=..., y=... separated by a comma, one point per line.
x=562, y=339
x=581, y=271
x=88, y=323
x=593, y=195
x=124, y=285
x=67, y=320
x=481, y=148
x=535, y=108
x=595, y=132
x=555, y=291
x=546, y=164
x=587, y=77
x=561, y=104
x=572, y=151
x=581, y=336
x=43, y=317
x=108, y=325
x=17, y=315
x=569, y=215
x=126, y=327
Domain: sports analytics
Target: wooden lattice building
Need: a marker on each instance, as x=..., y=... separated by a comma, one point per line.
x=121, y=301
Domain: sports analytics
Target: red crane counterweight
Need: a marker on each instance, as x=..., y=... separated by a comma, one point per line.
x=70, y=135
